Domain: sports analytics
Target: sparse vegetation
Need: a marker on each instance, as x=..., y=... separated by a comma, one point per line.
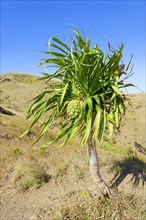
x=43, y=150
x=16, y=151
x=89, y=208
x=71, y=195
x=80, y=172
x=61, y=171
x=113, y=148
x=29, y=174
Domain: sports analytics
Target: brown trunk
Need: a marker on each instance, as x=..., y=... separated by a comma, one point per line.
x=94, y=168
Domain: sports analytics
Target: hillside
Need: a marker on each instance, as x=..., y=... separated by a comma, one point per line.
x=49, y=182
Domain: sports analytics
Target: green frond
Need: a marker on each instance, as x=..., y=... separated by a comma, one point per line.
x=91, y=77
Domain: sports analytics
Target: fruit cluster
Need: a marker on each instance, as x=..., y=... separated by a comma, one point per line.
x=73, y=109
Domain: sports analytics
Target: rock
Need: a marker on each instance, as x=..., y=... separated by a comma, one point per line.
x=5, y=111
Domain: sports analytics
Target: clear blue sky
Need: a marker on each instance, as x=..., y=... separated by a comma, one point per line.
x=26, y=26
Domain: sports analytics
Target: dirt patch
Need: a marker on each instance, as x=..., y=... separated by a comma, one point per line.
x=7, y=137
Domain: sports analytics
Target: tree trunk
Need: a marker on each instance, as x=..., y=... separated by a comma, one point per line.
x=94, y=168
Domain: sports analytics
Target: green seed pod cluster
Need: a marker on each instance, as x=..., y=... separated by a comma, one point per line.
x=73, y=109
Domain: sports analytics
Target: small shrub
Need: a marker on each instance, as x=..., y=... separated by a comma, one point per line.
x=130, y=152
x=28, y=175
x=116, y=168
x=16, y=151
x=61, y=171
x=80, y=173
x=43, y=150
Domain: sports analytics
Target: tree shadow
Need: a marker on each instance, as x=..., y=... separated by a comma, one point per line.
x=140, y=148
x=131, y=165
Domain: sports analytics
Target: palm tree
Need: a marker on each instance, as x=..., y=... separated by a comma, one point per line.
x=86, y=98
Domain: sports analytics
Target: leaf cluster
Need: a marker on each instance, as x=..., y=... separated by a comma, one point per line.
x=86, y=74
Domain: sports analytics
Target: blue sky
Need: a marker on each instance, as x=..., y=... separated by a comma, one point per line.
x=26, y=27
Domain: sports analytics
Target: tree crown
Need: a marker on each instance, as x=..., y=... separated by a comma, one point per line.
x=87, y=95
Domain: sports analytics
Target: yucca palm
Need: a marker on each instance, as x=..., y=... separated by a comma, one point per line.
x=86, y=98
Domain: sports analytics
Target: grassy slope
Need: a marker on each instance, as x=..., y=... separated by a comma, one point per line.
x=66, y=166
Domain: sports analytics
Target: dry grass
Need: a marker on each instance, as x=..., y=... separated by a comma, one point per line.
x=68, y=165
x=29, y=174
x=120, y=207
